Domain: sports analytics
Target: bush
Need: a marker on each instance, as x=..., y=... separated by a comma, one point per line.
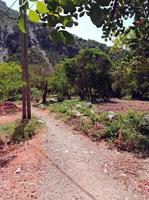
x=127, y=97
x=36, y=94
x=10, y=80
x=6, y=129
x=60, y=98
x=129, y=129
x=25, y=130
x=73, y=108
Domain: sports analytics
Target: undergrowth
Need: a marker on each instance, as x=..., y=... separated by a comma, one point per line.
x=72, y=108
x=6, y=129
x=25, y=130
x=20, y=131
x=128, y=131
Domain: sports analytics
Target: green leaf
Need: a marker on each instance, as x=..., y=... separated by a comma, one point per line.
x=103, y=2
x=41, y=7
x=68, y=6
x=54, y=36
x=77, y=2
x=66, y=37
x=81, y=14
x=21, y=24
x=61, y=37
x=68, y=22
x=96, y=15
x=33, y=16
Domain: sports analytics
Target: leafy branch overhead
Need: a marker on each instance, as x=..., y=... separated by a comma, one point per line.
x=108, y=14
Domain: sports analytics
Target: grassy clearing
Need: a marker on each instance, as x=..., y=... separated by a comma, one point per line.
x=20, y=131
x=128, y=131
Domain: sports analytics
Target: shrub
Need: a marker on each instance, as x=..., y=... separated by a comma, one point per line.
x=60, y=98
x=128, y=131
x=25, y=130
x=128, y=128
x=36, y=94
x=73, y=108
x=6, y=129
x=10, y=80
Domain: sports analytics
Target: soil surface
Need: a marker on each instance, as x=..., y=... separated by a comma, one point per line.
x=118, y=105
x=64, y=165
x=8, y=107
x=21, y=170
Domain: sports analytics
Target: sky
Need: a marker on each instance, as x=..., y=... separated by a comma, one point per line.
x=85, y=29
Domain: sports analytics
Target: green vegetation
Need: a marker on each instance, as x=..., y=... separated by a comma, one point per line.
x=86, y=75
x=128, y=131
x=10, y=80
x=71, y=108
x=20, y=131
x=108, y=14
x=25, y=130
x=6, y=129
x=39, y=79
x=130, y=66
x=81, y=68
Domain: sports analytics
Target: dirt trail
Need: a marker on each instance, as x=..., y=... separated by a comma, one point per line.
x=78, y=169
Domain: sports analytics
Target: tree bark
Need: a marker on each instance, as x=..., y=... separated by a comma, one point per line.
x=26, y=101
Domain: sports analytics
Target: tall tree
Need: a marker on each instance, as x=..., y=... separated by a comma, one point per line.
x=87, y=74
x=26, y=102
x=130, y=64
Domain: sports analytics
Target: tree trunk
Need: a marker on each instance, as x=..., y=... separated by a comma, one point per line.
x=26, y=101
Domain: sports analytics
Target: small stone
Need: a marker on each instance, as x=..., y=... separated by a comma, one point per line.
x=122, y=174
x=111, y=115
x=146, y=117
x=18, y=170
x=41, y=121
x=105, y=171
x=78, y=114
x=88, y=104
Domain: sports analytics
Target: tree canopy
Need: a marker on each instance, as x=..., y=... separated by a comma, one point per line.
x=108, y=14
x=131, y=66
x=87, y=75
x=10, y=79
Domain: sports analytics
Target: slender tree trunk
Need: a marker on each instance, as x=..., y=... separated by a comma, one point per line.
x=26, y=101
